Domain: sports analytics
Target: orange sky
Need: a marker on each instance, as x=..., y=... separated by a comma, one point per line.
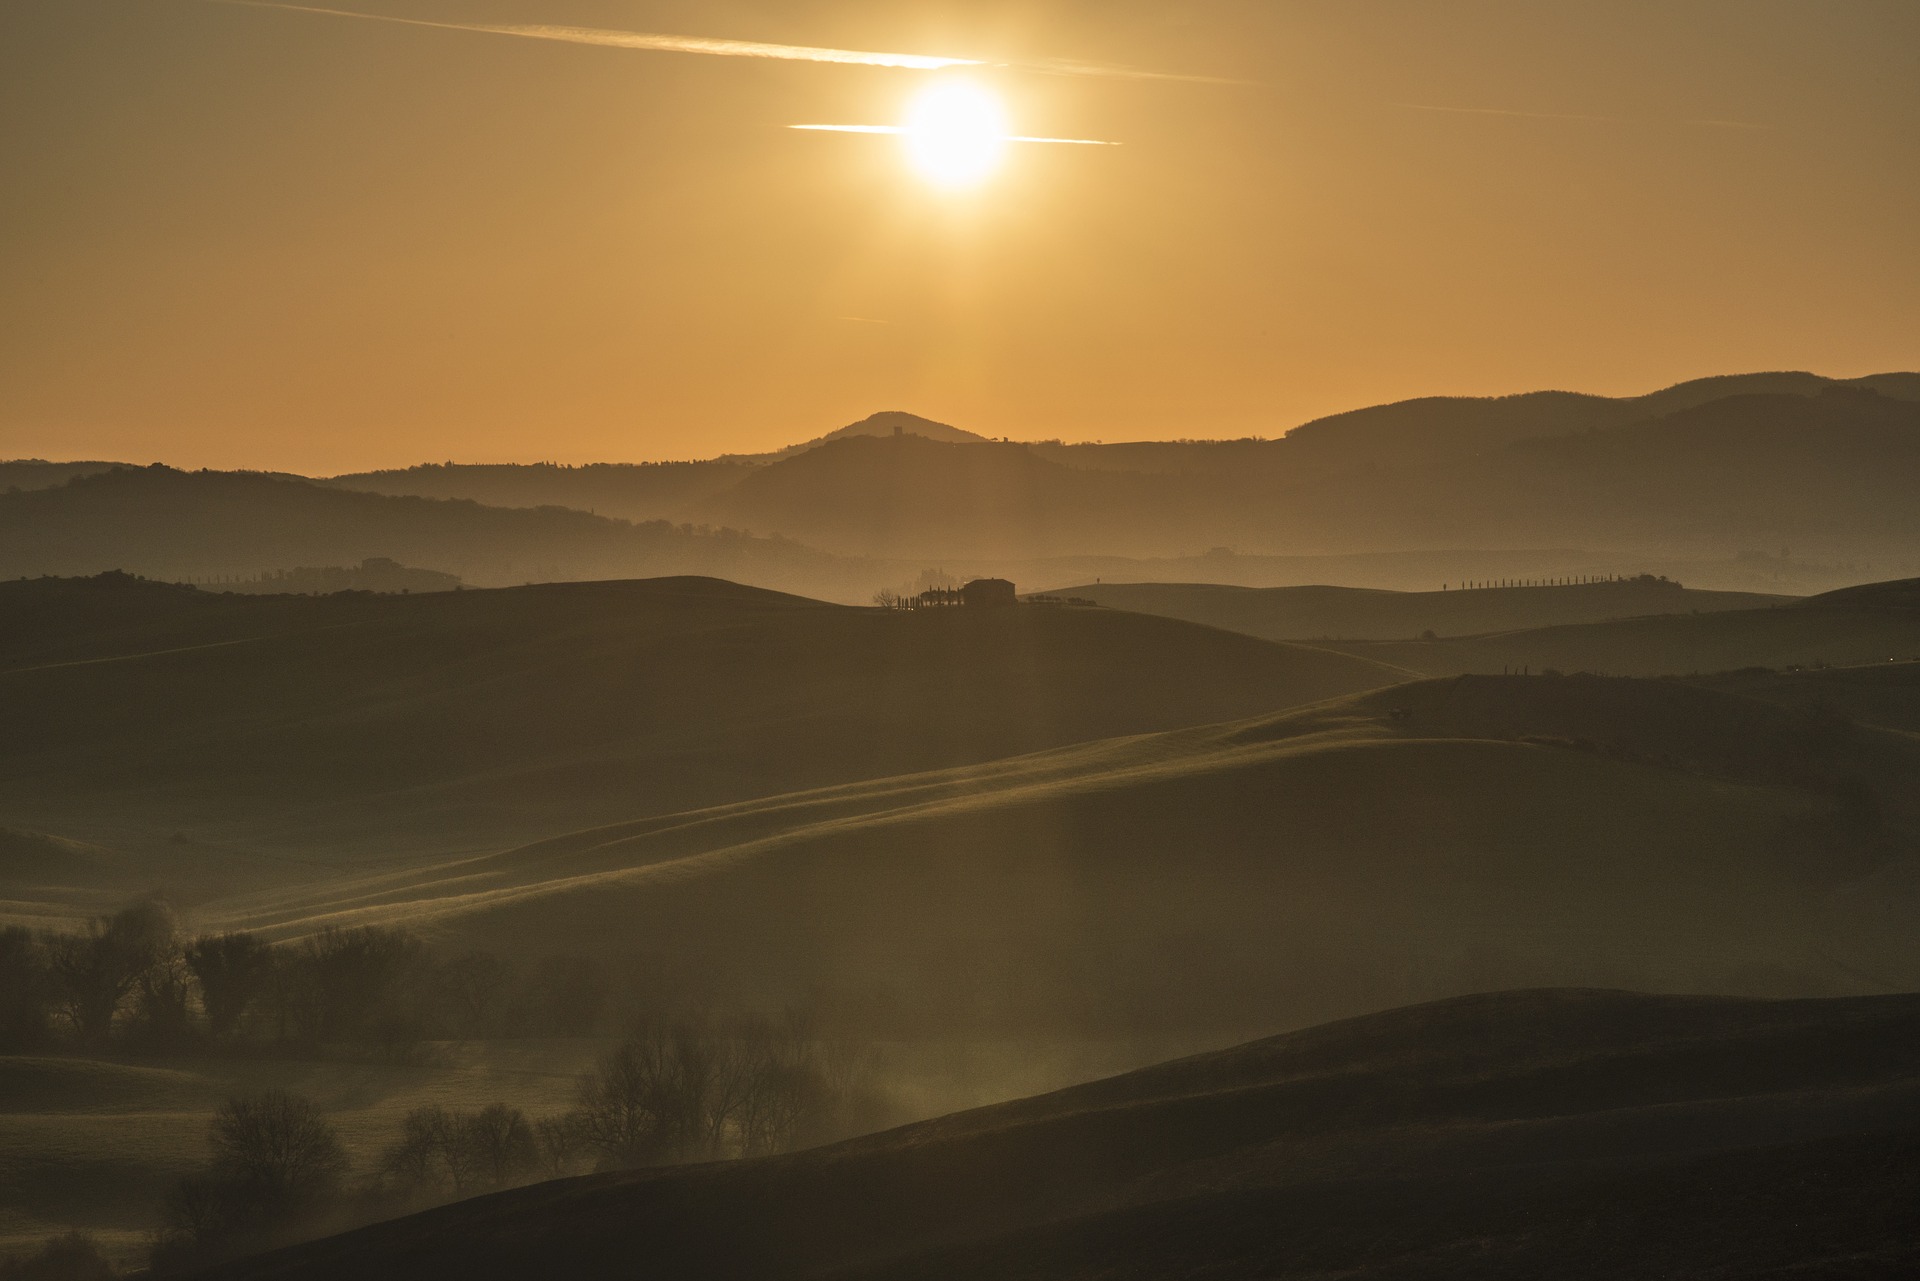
x=239, y=237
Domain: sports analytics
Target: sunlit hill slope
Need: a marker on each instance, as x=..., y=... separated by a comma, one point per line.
x=357, y=726
x=1430, y=839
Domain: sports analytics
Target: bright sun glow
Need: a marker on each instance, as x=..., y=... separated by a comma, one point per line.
x=955, y=134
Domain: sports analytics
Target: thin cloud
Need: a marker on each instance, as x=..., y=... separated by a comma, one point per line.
x=1558, y=115
x=900, y=129
x=1503, y=111
x=645, y=40
x=715, y=48
x=1070, y=67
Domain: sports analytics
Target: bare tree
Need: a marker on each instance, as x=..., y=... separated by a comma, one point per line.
x=94, y=971
x=26, y=990
x=462, y=1152
x=278, y=1149
x=500, y=1145
x=561, y=1144
x=233, y=971
x=277, y=1166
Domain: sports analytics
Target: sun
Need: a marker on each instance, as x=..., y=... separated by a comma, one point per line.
x=955, y=133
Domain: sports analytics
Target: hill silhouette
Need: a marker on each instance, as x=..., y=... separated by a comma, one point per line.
x=37, y=473
x=908, y=495
x=888, y=422
x=1687, y=476
x=486, y=718
x=1872, y=624
x=1298, y=613
x=163, y=523
x=1826, y=474
x=1414, y=842
x=629, y=491
x=1543, y=1133
x=1805, y=480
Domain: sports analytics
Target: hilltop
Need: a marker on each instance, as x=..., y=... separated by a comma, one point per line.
x=1576, y=1134
x=888, y=422
x=484, y=718
x=1352, y=613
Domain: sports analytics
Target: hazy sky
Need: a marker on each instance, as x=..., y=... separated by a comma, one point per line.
x=235, y=236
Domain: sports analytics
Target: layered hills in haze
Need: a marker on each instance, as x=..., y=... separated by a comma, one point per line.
x=1780, y=482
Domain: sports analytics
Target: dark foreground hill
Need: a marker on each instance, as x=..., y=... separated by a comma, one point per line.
x=1873, y=623
x=1566, y=1134
x=1354, y=613
x=1207, y=884
x=366, y=725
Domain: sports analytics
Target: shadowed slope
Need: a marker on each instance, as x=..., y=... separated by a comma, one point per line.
x=1546, y=1133
x=1873, y=623
x=1301, y=613
x=387, y=724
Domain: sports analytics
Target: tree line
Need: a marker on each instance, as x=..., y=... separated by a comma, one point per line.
x=131, y=981
x=695, y=1089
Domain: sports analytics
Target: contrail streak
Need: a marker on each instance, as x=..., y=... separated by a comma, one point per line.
x=647, y=40
x=899, y=129
x=659, y=43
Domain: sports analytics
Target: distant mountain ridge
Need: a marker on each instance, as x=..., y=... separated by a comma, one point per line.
x=1812, y=475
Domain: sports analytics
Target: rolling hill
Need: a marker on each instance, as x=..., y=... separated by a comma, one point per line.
x=1575, y=1134
x=628, y=491
x=631, y=491
x=1421, y=841
x=162, y=523
x=357, y=725
x=1354, y=613
x=1692, y=475
x=1826, y=474
x=1871, y=624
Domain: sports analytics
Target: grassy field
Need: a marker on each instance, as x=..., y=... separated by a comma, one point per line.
x=212, y=739
x=1431, y=839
